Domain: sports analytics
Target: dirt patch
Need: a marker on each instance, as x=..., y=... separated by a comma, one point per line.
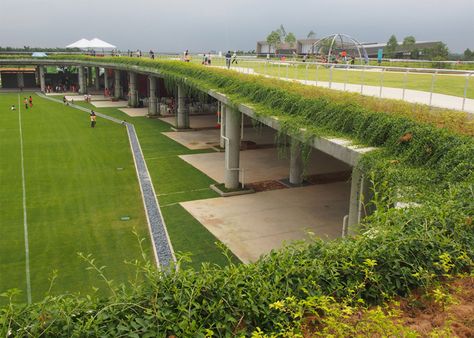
x=424, y=315
x=266, y=185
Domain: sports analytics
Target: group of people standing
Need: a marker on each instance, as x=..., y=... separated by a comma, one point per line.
x=28, y=102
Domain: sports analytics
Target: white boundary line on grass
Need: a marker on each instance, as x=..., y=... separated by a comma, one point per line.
x=25, y=218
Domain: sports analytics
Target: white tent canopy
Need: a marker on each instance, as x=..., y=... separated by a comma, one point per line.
x=98, y=43
x=94, y=43
x=82, y=43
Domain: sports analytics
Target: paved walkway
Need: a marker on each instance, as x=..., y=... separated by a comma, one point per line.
x=209, y=138
x=161, y=243
x=253, y=225
x=134, y=112
x=409, y=95
x=262, y=164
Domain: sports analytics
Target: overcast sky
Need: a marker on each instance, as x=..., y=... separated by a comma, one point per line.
x=200, y=25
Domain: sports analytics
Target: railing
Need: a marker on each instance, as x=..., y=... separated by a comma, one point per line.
x=421, y=85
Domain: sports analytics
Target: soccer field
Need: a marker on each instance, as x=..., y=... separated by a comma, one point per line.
x=70, y=199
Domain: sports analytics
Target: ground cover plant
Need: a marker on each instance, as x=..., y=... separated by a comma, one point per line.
x=422, y=160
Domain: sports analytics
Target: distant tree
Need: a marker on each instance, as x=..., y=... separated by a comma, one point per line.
x=391, y=47
x=311, y=35
x=281, y=30
x=290, y=38
x=438, y=52
x=415, y=54
x=409, y=41
x=274, y=40
x=468, y=55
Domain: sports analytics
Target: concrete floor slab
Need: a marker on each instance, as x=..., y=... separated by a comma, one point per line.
x=204, y=139
x=263, y=164
x=81, y=97
x=134, y=112
x=253, y=225
x=195, y=121
x=110, y=104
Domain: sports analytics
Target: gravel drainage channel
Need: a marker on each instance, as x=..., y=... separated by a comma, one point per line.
x=162, y=247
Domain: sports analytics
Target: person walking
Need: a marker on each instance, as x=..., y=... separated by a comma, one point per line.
x=93, y=118
x=234, y=58
x=25, y=101
x=227, y=59
x=30, y=100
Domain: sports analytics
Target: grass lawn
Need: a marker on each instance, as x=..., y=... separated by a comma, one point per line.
x=444, y=84
x=75, y=197
x=175, y=181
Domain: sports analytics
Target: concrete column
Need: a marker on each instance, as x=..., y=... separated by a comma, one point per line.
x=152, y=96
x=117, y=85
x=232, y=149
x=20, y=80
x=42, y=79
x=296, y=162
x=361, y=194
x=96, y=78
x=88, y=77
x=81, y=78
x=182, y=120
x=106, y=79
x=132, y=89
x=222, y=110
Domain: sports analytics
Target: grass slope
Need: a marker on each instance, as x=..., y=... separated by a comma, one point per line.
x=74, y=195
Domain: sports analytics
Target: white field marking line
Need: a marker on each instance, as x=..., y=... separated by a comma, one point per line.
x=25, y=219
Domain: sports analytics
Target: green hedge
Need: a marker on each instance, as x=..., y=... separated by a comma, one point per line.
x=397, y=250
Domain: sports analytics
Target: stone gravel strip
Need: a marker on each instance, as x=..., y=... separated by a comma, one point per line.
x=162, y=247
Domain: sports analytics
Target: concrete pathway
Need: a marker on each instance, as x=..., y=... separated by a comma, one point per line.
x=205, y=139
x=262, y=164
x=162, y=247
x=253, y=225
x=77, y=97
x=134, y=112
x=195, y=121
x=109, y=104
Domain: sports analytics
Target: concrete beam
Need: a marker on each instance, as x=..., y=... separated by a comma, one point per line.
x=232, y=149
x=132, y=90
x=182, y=119
x=117, y=85
x=341, y=149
